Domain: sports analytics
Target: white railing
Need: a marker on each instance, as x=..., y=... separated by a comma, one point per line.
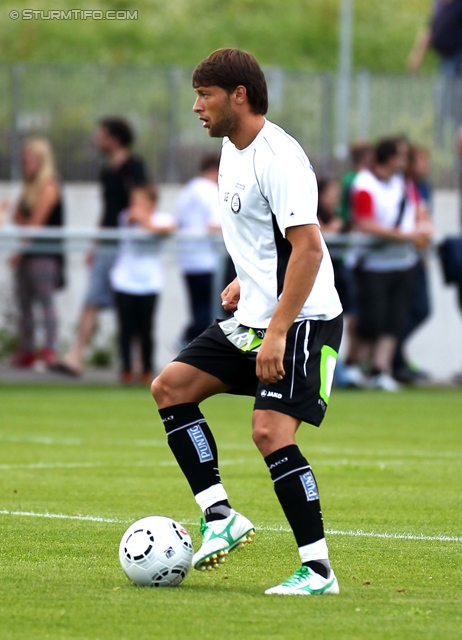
x=81, y=238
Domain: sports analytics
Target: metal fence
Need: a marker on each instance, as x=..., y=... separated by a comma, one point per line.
x=63, y=102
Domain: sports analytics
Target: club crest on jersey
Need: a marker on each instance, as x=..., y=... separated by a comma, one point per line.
x=235, y=203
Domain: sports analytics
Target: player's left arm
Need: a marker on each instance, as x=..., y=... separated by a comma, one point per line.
x=302, y=269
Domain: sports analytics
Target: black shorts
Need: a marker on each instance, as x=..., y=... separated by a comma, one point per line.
x=309, y=363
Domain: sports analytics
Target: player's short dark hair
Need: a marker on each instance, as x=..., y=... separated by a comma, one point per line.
x=209, y=161
x=385, y=150
x=229, y=68
x=119, y=129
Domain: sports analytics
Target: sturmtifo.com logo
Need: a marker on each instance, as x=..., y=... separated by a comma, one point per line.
x=73, y=14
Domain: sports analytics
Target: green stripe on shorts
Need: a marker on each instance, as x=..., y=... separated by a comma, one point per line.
x=328, y=361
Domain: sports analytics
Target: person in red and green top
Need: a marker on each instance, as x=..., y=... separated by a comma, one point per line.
x=361, y=154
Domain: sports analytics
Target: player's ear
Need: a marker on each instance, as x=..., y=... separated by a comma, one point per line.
x=240, y=94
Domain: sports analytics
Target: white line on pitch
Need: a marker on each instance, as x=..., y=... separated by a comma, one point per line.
x=381, y=464
x=433, y=456
x=333, y=532
x=41, y=440
x=59, y=516
x=89, y=465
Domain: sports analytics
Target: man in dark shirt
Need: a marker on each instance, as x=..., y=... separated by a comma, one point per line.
x=117, y=183
x=444, y=36
x=122, y=173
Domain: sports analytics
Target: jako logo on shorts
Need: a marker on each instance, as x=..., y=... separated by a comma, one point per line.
x=309, y=484
x=200, y=442
x=270, y=394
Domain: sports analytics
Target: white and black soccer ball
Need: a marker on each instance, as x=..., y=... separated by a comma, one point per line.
x=156, y=552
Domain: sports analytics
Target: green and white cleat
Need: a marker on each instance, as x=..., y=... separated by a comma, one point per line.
x=305, y=582
x=219, y=537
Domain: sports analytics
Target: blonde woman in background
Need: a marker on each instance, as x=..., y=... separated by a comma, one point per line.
x=38, y=269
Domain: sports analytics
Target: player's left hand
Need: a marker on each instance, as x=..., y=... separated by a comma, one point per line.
x=270, y=365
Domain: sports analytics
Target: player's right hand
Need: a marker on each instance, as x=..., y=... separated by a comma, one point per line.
x=230, y=296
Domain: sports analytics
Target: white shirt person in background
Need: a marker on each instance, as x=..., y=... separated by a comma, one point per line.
x=137, y=278
x=199, y=214
x=282, y=343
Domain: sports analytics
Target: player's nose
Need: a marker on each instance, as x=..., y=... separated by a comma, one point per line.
x=197, y=107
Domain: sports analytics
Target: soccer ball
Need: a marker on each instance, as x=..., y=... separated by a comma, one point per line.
x=156, y=552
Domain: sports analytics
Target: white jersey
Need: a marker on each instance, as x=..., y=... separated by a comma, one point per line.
x=138, y=267
x=264, y=189
x=197, y=209
x=386, y=200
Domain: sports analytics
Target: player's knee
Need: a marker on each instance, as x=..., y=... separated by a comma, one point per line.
x=262, y=435
x=170, y=388
x=161, y=391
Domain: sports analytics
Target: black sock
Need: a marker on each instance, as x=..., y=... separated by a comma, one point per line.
x=319, y=566
x=194, y=448
x=297, y=492
x=218, y=511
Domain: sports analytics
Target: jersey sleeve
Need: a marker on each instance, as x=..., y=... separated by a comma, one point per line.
x=362, y=205
x=291, y=191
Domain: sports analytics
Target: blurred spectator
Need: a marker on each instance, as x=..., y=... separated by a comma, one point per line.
x=416, y=176
x=347, y=375
x=419, y=170
x=444, y=36
x=328, y=203
x=458, y=143
x=137, y=279
x=38, y=270
x=403, y=146
x=4, y=206
x=198, y=214
x=122, y=173
x=457, y=246
x=385, y=207
x=361, y=154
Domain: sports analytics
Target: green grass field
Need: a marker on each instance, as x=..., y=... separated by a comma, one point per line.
x=390, y=477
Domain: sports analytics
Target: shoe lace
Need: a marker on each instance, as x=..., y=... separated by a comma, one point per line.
x=298, y=577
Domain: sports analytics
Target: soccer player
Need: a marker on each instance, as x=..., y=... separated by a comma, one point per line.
x=281, y=344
